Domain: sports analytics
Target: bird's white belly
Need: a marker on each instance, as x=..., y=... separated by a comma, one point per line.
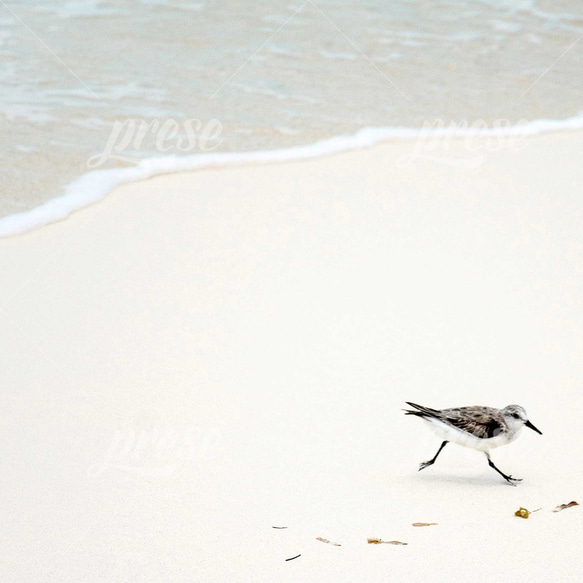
x=449, y=433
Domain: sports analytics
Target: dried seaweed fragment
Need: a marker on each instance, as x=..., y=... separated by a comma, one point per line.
x=522, y=513
x=292, y=558
x=563, y=506
x=378, y=541
x=325, y=540
x=279, y=527
x=424, y=524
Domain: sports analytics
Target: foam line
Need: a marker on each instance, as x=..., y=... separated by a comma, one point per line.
x=93, y=186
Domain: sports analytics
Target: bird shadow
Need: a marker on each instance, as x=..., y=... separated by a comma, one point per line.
x=481, y=480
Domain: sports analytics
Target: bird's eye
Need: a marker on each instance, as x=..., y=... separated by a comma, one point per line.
x=515, y=415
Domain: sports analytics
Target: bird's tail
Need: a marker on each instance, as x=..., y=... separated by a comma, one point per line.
x=421, y=410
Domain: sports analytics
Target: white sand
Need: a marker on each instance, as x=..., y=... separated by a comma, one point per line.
x=257, y=331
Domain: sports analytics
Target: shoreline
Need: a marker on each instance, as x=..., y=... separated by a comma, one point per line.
x=93, y=186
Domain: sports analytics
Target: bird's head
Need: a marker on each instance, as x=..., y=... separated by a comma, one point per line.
x=515, y=416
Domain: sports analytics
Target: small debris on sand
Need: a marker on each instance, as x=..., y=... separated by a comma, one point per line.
x=325, y=540
x=563, y=506
x=424, y=524
x=378, y=541
x=522, y=513
x=292, y=558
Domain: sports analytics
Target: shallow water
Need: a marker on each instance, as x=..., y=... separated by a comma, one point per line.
x=235, y=76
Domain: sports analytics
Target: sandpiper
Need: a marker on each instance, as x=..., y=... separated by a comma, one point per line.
x=481, y=428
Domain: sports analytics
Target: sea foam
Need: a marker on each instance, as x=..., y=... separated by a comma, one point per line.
x=93, y=186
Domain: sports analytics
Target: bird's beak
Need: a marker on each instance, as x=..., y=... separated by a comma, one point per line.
x=529, y=424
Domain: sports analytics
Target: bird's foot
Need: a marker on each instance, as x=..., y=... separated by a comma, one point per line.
x=511, y=480
x=424, y=465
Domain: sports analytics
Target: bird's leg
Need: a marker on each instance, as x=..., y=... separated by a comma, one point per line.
x=432, y=461
x=509, y=479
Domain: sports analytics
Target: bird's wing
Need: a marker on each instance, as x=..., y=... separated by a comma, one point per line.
x=481, y=423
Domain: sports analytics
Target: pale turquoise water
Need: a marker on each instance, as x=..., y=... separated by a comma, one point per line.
x=272, y=74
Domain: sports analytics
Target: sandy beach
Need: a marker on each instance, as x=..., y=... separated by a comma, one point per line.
x=204, y=356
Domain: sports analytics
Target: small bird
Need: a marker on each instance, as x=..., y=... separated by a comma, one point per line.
x=481, y=428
